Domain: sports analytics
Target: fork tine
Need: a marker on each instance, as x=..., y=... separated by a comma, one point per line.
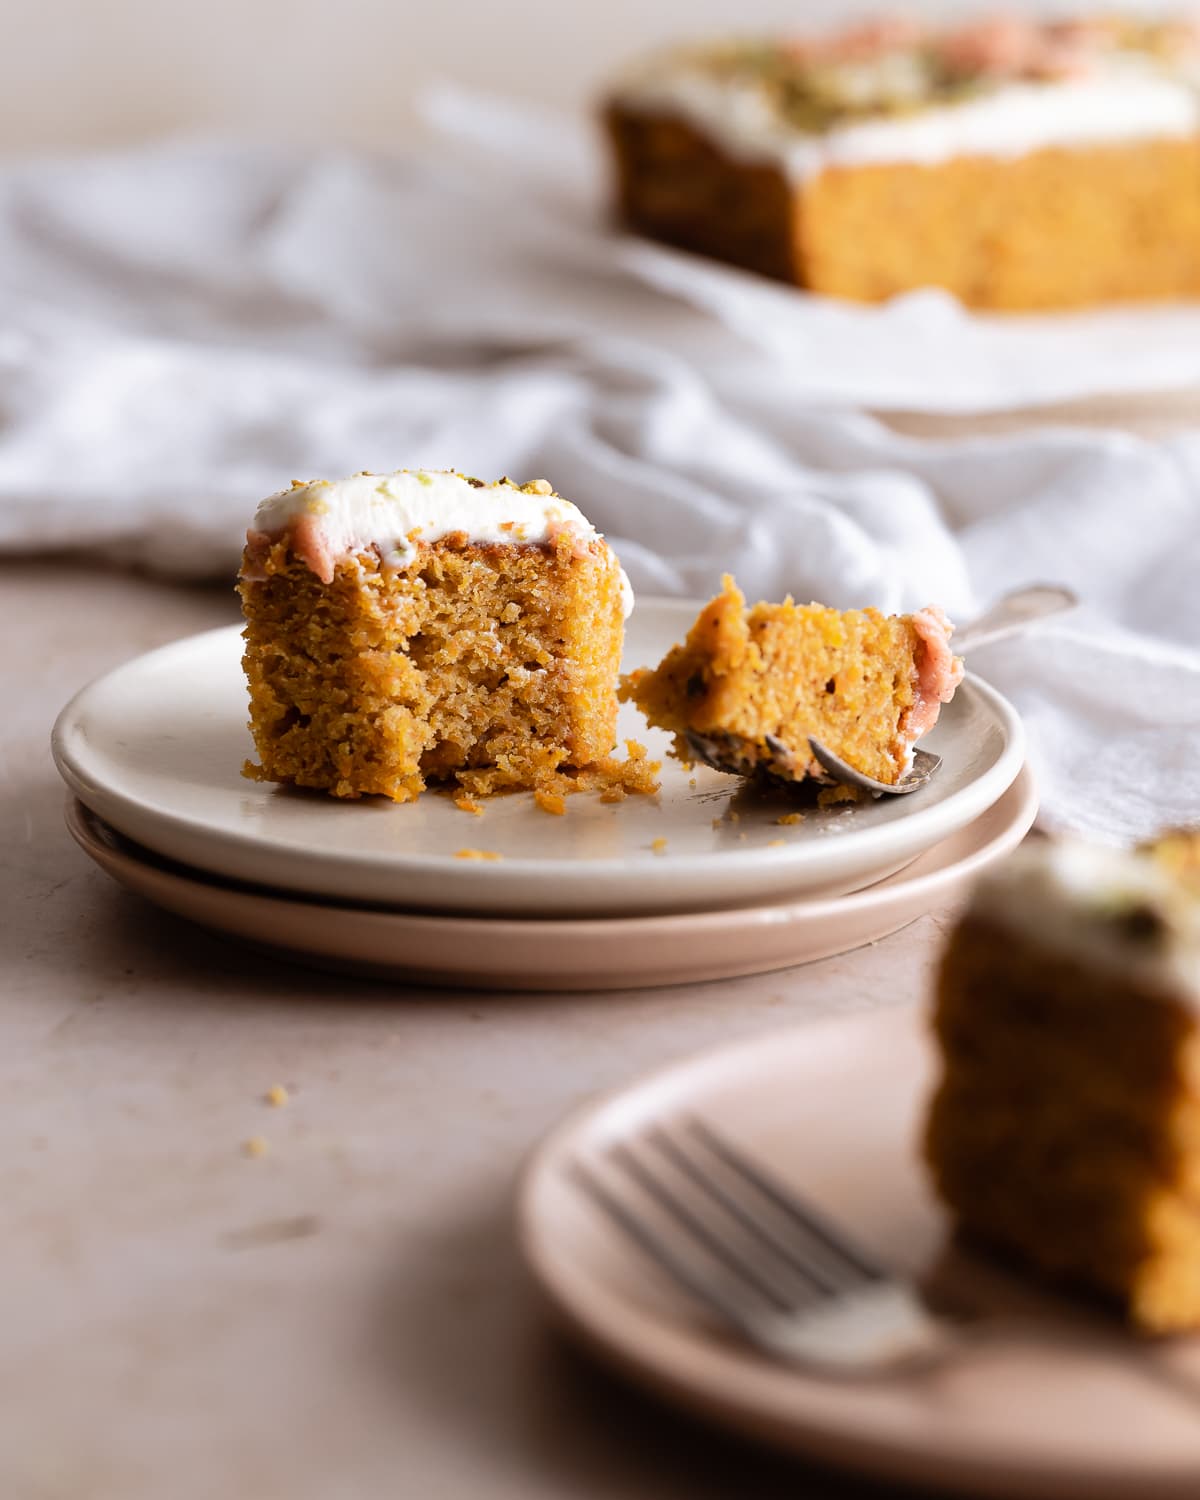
x=816, y=1276
x=705, y=1290
x=850, y=1255
x=700, y=1232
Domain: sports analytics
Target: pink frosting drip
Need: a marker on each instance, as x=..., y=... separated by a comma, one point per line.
x=309, y=542
x=939, y=672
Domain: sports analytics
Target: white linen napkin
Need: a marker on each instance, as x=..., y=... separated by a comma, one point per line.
x=187, y=327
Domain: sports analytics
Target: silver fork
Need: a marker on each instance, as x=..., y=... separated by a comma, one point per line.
x=767, y=1264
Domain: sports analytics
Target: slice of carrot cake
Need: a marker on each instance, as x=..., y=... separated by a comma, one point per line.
x=421, y=626
x=866, y=685
x=1018, y=162
x=1065, y=1129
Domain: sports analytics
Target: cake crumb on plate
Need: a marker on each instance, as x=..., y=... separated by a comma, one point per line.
x=831, y=796
x=477, y=854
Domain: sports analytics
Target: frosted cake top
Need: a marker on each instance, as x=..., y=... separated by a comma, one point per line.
x=890, y=90
x=394, y=513
x=1120, y=911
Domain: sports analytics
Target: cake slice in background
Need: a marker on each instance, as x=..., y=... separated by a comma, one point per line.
x=1065, y=1130
x=421, y=627
x=866, y=685
x=1017, y=163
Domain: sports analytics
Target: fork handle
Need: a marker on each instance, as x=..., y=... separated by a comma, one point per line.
x=1015, y=612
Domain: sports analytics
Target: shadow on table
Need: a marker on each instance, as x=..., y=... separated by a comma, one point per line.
x=461, y=1330
x=88, y=930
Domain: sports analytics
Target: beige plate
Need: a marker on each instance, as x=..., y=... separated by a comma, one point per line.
x=1058, y=1402
x=565, y=954
x=156, y=749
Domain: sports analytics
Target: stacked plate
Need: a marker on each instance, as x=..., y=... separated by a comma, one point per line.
x=703, y=881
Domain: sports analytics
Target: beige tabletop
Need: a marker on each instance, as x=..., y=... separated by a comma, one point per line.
x=345, y=1316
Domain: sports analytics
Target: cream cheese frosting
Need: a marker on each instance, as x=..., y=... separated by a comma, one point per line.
x=1125, y=96
x=1105, y=908
x=1127, y=101
x=395, y=513
x=938, y=671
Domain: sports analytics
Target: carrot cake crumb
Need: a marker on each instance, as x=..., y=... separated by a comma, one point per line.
x=830, y=796
x=277, y=1096
x=777, y=843
x=255, y=1146
x=551, y=802
x=468, y=805
x=788, y=819
x=659, y=846
x=477, y=854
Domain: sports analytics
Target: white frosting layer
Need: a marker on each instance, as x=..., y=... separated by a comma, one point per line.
x=395, y=513
x=1127, y=101
x=1084, y=901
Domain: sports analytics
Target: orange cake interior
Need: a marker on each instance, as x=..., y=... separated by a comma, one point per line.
x=423, y=628
x=866, y=685
x=1065, y=1129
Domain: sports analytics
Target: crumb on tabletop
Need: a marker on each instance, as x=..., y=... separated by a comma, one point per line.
x=466, y=803
x=255, y=1147
x=659, y=846
x=477, y=854
x=788, y=819
x=550, y=802
x=277, y=1096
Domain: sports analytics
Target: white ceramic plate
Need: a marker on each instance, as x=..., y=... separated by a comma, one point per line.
x=565, y=954
x=156, y=748
x=1058, y=1402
